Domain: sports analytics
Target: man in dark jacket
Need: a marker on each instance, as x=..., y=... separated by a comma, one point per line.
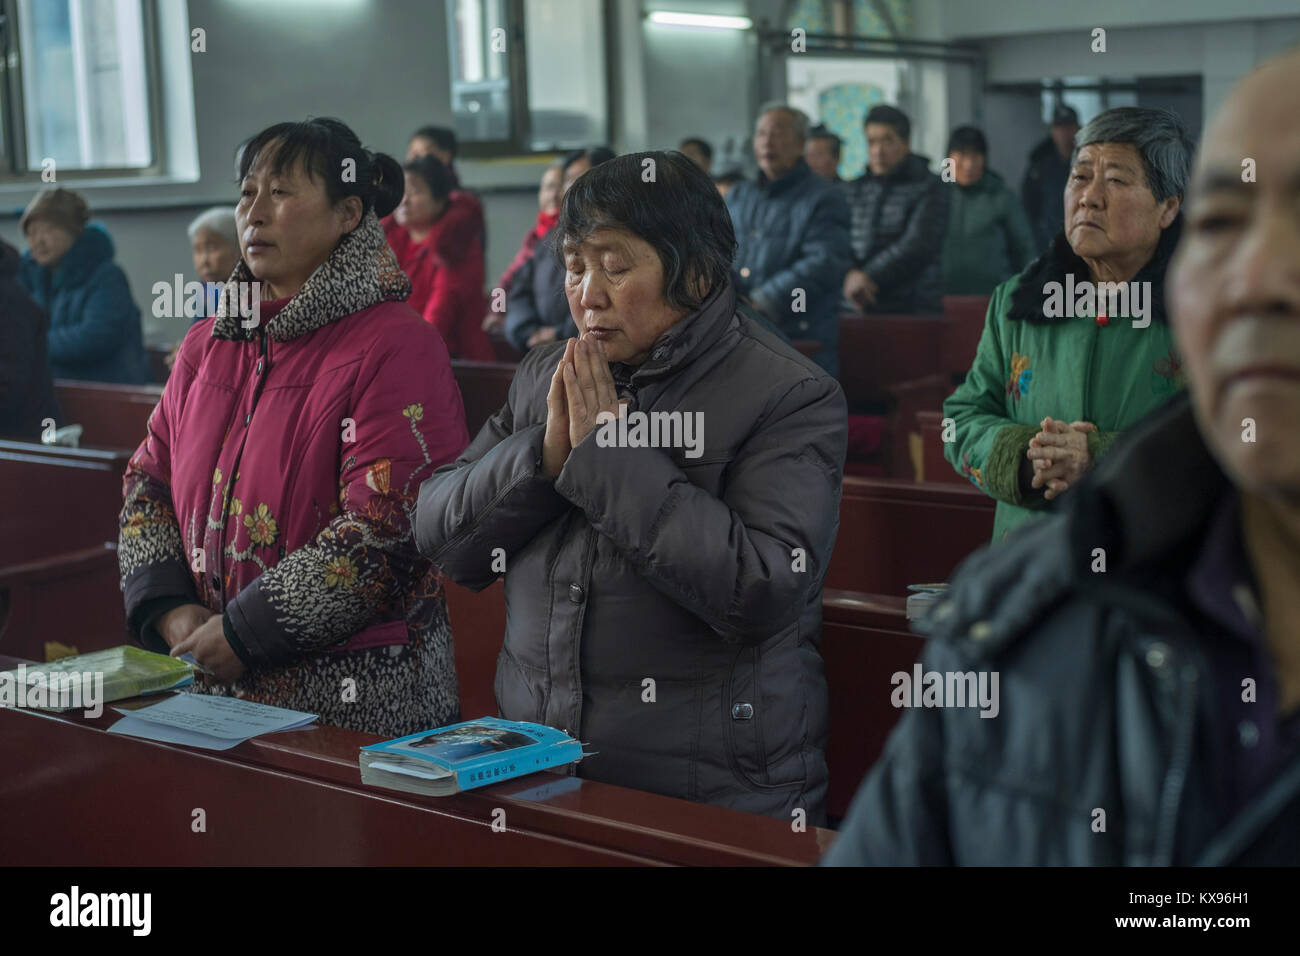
x=1145, y=639
x=792, y=234
x=1043, y=190
x=26, y=387
x=899, y=215
x=988, y=238
x=663, y=596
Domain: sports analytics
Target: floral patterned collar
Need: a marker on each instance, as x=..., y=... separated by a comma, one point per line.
x=360, y=272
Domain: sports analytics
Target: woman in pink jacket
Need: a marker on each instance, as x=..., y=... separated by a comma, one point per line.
x=267, y=521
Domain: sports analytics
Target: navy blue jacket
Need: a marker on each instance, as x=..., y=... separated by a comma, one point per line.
x=94, y=323
x=26, y=391
x=793, y=236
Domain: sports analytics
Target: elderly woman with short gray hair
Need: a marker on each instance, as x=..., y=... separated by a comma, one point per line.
x=1077, y=347
x=214, y=241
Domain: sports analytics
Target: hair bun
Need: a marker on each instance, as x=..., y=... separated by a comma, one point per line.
x=389, y=183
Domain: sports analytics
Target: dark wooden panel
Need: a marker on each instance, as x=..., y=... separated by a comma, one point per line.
x=484, y=388
x=75, y=598
x=57, y=499
x=296, y=798
x=896, y=533
x=112, y=416
x=964, y=317
x=865, y=641
x=478, y=629
x=929, y=424
x=878, y=352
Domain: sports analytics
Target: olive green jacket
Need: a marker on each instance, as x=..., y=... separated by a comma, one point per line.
x=1029, y=367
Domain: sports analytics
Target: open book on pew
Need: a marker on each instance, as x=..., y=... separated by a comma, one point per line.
x=463, y=756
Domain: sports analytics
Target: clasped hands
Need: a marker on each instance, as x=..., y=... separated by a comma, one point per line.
x=193, y=629
x=581, y=389
x=1060, y=456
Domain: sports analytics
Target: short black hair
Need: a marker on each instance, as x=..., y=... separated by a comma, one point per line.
x=968, y=139
x=890, y=116
x=433, y=172
x=677, y=211
x=592, y=154
x=702, y=145
x=324, y=145
x=441, y=136
x=821, y=132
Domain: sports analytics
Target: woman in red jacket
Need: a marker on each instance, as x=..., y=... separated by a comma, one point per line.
x=267, y=522
x=437, y=235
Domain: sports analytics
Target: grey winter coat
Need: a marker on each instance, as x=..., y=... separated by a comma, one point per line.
x=898, y=224
x=1107, y=701
x=702, y=574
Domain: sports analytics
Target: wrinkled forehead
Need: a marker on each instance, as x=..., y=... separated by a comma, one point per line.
x=600, y=241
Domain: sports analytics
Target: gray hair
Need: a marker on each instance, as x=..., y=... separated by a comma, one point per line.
x=218, y=219
x=1160, y=138
x=799, y=117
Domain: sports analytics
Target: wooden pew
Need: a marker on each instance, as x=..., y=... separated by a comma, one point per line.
x=296, y=798
x=112, y=416
x=58, y=559
x=478, y=629
x=963, y=317
x=890, y=365
x=934, y=466
x=896, y=533
x=75, y=595
x=484, y=388
x=57, y=499
x=865, y=641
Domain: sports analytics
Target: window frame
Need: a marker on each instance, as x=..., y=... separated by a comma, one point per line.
x=14, y=169
x=519, y=143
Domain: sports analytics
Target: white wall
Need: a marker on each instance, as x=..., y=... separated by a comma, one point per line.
x=379, y=65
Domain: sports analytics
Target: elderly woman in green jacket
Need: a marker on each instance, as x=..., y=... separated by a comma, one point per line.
x=1076, y=348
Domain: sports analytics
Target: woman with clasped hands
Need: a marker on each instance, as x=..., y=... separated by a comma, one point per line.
x=267, y=522
x=1059, y=375
x=663, y=603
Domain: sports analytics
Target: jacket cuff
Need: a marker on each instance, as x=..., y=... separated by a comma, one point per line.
x=149, y=614
x=257, y=634
x=236, y=645
x=153, y=582
x=1099, y=443
x=1002, y=467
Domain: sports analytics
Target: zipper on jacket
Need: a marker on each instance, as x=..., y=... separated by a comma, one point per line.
x=1172, y=792
x=263, y=366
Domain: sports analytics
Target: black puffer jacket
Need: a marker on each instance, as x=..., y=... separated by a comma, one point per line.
x=536, y=298
x=1106, y=703
x=703, y=574
x=26, y=388
x=898, y=224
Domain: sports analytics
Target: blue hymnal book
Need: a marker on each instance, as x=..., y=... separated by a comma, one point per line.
x=466, y=755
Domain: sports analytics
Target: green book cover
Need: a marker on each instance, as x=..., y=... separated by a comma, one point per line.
x=114, y=674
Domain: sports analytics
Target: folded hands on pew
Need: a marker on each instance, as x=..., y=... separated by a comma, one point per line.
x=1060, y=455
x=194, y=629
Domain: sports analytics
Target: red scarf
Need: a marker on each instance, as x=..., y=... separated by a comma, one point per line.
x=545, y=223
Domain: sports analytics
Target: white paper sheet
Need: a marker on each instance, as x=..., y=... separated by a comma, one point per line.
x=214, y=723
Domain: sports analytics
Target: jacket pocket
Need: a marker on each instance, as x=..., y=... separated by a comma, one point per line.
x=514, y=690
x=745, y=725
